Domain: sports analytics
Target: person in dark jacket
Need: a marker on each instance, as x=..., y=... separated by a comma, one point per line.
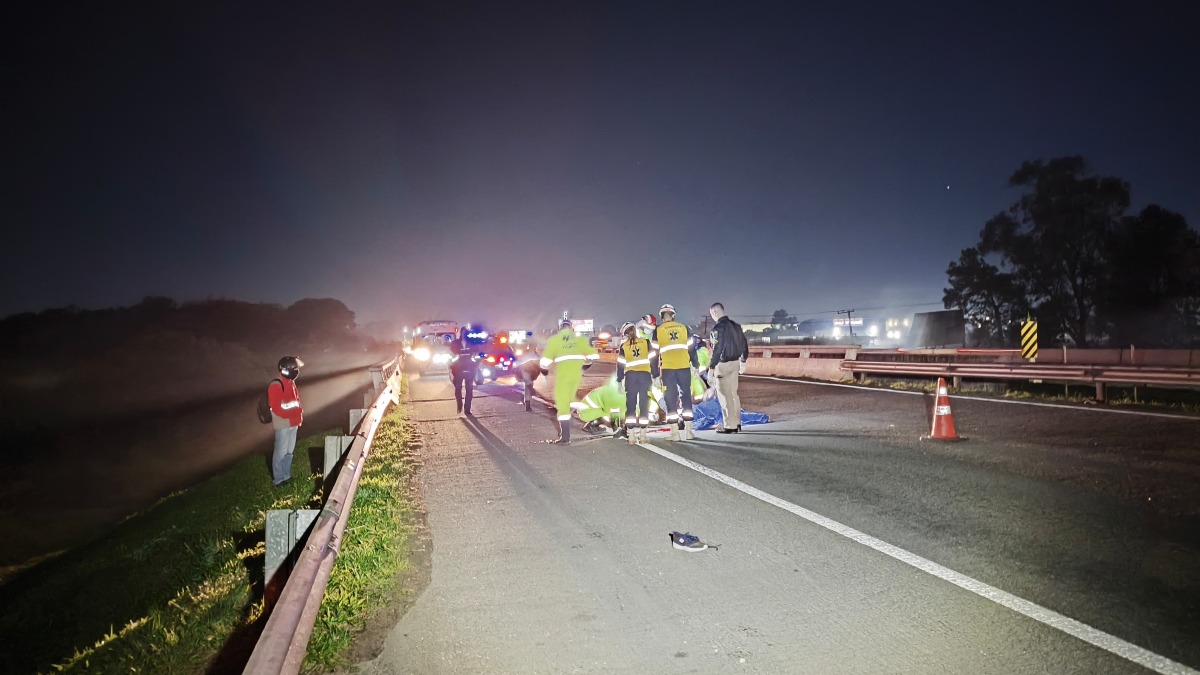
x=728, y=360
x=462, y=369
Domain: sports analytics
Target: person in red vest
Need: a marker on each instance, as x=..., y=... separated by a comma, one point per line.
x=286, y=416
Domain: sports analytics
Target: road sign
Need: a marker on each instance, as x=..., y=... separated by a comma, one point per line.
x=1029, y=339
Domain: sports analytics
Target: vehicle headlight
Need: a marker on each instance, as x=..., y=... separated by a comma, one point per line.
x=421, y=353
x=441, y=358
x=487, y=372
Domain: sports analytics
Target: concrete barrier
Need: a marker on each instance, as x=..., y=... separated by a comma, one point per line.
x=814, y=368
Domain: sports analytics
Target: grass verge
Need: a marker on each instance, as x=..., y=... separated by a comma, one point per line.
x=379, y=535
x=178, y=587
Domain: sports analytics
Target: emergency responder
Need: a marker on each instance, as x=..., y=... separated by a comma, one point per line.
x=636, y=366
x=645, y=329
x=646, y=326
x=703, y=355
x=703, y=358
x=604, y=403
x=676, y=359
x=463, y=362
x=570, y=355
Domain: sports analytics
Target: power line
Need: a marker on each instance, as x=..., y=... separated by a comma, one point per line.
x=837, y=311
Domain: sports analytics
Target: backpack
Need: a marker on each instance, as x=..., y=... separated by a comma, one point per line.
x=264, y=403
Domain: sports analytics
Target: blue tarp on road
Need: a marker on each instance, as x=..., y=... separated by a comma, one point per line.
x=707, y=415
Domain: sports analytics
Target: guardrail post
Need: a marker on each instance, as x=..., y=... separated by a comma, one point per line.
x=377, y=379
x=284, y=530
x=1100, y=392
x=335, y=447
x=356, y=416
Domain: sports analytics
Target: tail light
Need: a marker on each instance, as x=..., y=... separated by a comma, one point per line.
x=491, y=359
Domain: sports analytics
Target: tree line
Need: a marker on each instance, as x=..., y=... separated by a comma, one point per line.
x=72, y=363
x=71, y=331
x=1069, y=254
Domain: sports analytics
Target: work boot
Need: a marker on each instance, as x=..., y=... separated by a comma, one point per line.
x=564, y=433
x=528, y=408
x=621, y=432
x=674, y=435
x=633, y=436
x=688, y=434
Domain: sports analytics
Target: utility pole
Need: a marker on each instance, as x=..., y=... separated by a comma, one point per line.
x=849, y=322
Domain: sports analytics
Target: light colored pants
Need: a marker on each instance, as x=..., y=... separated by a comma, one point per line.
x=281, y=458
x=727, y=393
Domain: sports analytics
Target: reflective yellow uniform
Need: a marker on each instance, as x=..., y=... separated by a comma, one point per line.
x=635, y=363
x=568, y=353
x=676, y=358
x=672, y=342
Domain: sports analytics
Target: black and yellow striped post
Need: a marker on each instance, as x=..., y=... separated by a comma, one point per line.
x=1029, y=340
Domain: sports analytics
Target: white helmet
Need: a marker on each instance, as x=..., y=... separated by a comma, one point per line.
x=667, y=308
x=626, y=326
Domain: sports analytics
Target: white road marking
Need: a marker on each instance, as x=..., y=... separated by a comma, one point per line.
x=1078, y=629
x=980, y=398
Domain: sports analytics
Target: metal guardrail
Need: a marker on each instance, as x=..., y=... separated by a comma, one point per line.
x=284, y=641
x=1099, y=375
x=384, y=372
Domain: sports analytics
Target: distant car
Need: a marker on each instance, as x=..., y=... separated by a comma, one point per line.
x=429, y=350
x=496, y=360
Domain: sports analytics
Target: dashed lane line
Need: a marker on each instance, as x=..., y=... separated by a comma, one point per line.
x=1077, y=629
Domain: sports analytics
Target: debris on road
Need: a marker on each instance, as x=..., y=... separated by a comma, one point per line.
x=686, y=541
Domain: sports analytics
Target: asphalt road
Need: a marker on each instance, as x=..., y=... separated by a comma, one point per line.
x=1064, y=522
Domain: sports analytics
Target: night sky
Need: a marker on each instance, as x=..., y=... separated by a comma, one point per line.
x=504, y=164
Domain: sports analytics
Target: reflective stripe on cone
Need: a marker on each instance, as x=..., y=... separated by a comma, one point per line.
x=943, y=418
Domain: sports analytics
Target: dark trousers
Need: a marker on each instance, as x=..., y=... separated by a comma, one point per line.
x=528, y=377
x=637, y=398
x=460, y=375
x=678, y=385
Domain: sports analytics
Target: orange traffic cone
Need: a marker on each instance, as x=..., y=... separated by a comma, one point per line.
x=943, y=419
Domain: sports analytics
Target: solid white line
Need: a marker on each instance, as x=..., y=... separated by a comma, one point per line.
x=1078, y=629
x=980, y=398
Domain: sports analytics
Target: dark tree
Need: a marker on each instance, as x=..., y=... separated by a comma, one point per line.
x=1054, y=240
x=1089, y=273
x=1152, y=291
x=989, y=298
x=321, y=318
x=780, y=319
